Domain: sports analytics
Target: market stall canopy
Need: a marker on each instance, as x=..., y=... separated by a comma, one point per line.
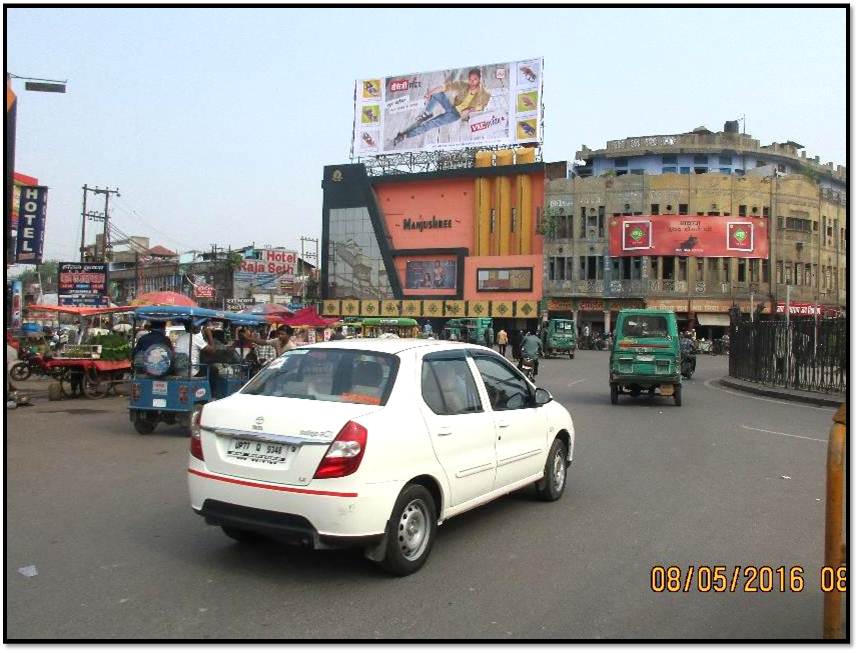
x=163, y=298
x=79, y=310
x=273, y=313
x=309, y=317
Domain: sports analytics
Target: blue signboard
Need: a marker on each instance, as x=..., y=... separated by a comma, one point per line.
x=32, y=211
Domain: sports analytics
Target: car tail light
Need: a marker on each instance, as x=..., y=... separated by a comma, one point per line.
x=135, y=391
x=196, y=430
x=345, y=453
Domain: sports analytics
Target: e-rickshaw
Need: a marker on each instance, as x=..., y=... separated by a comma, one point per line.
x=559, y=337
x=164, y=385
x=373, y=327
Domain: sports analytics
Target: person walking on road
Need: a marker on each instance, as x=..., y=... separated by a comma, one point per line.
x=489, y=336
x=503, y=340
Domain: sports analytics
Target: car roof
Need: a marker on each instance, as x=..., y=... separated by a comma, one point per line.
x=395, y=345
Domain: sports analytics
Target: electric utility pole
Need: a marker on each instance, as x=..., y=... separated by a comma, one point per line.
x=105, y=243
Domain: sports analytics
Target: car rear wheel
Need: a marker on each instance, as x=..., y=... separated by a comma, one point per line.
x=615, y=393
x=553, y=482
x=410, y=531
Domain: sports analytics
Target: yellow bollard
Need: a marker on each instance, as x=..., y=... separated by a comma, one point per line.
x=835, y=545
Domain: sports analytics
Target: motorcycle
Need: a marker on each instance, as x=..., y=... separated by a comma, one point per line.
x=30, y=363
x=528, y=366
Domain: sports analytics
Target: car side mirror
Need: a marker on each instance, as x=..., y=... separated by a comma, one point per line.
x=542, y=397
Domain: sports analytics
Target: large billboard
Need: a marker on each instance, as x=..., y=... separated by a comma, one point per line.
x=494, y=104
x=685, y=235
x=82, y=284
x=271, y=270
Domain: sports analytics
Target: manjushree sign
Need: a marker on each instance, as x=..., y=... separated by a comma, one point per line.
x=419, y=225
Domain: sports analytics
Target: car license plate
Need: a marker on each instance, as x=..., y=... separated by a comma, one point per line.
x=159, y=387
x=159, y=403
x=268, y=453
x=647, y=358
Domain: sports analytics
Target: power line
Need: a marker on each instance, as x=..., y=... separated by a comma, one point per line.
x=134, y=213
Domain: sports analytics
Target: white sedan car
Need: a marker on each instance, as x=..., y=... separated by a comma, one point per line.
x=374, y=443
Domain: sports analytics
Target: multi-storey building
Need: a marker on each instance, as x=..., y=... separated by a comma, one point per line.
x=709, y=188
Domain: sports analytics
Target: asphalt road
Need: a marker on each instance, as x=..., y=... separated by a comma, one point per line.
x=102, y=514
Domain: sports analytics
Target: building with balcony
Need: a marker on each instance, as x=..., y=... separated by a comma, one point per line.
x=705, y=242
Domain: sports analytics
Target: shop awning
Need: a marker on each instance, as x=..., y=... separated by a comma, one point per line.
x=713, y=319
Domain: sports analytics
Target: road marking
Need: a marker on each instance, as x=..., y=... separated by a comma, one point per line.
x=789, y=435
x=713, y=385
x=571, y=383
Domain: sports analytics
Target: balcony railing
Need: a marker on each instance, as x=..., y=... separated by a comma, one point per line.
x=654, y=288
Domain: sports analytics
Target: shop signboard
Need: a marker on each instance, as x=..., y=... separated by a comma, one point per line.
x=685, y=235
x=17, y=301
x=803, y=309
x=492, y=104
x=271, y=270
x=32, y=212
x=82, y=284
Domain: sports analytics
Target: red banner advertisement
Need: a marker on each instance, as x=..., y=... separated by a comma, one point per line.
x=686, y=235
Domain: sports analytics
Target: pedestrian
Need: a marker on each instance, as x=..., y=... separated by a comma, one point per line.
x=489, y=335
x=503, y=339
x=586, y=336
x=281, y=342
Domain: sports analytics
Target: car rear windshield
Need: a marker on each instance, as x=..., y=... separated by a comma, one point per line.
x=343, y=375
x=645, y=326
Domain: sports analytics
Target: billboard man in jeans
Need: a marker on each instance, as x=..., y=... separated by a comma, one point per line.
x=469, y=96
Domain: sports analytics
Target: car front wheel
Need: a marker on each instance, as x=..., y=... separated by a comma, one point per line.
x=551, y=487
x=410, y=531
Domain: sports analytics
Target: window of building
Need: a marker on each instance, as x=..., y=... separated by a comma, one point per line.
x=668, y=158
x=779, y=272
x=700, y=213
x=725, y=159
x=653, y=209
x=637, y=171
x=701, y=158
x=638, y=213
x=725, y=269
x=700, y=171
x=739, y=172
x=712, y=270
x=741, y=270
x=684, y=170
x=743, y=210
x=621, y=163
x=591, y=267
x=808, y=278
x=754, y=211
x=815, y=225
x=753, y=266
x=682, y=269
x=780, y=222
x=667, y=267
x=796, y=274
x=713, y=213
x=726, y=171
x=601, y=222
x=627, y=267
x=764, y=265
x=760, y=163
x=667, y=169
x=798, y=224
x=683, y=209
x=620, y=173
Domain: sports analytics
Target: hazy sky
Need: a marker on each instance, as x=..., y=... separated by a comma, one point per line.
x=215, y=123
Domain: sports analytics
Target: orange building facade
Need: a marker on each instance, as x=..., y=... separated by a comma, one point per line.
x=453, y=243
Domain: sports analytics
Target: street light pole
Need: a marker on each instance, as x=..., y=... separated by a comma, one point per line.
x=31, y=84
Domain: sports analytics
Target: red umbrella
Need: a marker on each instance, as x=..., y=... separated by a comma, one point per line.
x=163, y=298
x=309, y=317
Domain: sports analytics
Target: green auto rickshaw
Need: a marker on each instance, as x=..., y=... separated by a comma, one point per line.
x=645, y=355
x=559, y=337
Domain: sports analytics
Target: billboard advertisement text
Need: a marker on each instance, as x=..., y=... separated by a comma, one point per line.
x=685, y=235
x=494, y=104
x=270, y=270
x=82, y=284
x=32, y=210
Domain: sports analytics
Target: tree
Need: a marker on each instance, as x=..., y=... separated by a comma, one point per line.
x=48, y=273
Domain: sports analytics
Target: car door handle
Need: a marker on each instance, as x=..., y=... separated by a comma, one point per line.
x=503, y=425
x=444, y=431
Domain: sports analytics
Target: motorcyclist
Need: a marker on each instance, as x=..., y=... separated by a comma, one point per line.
x=531, y=347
